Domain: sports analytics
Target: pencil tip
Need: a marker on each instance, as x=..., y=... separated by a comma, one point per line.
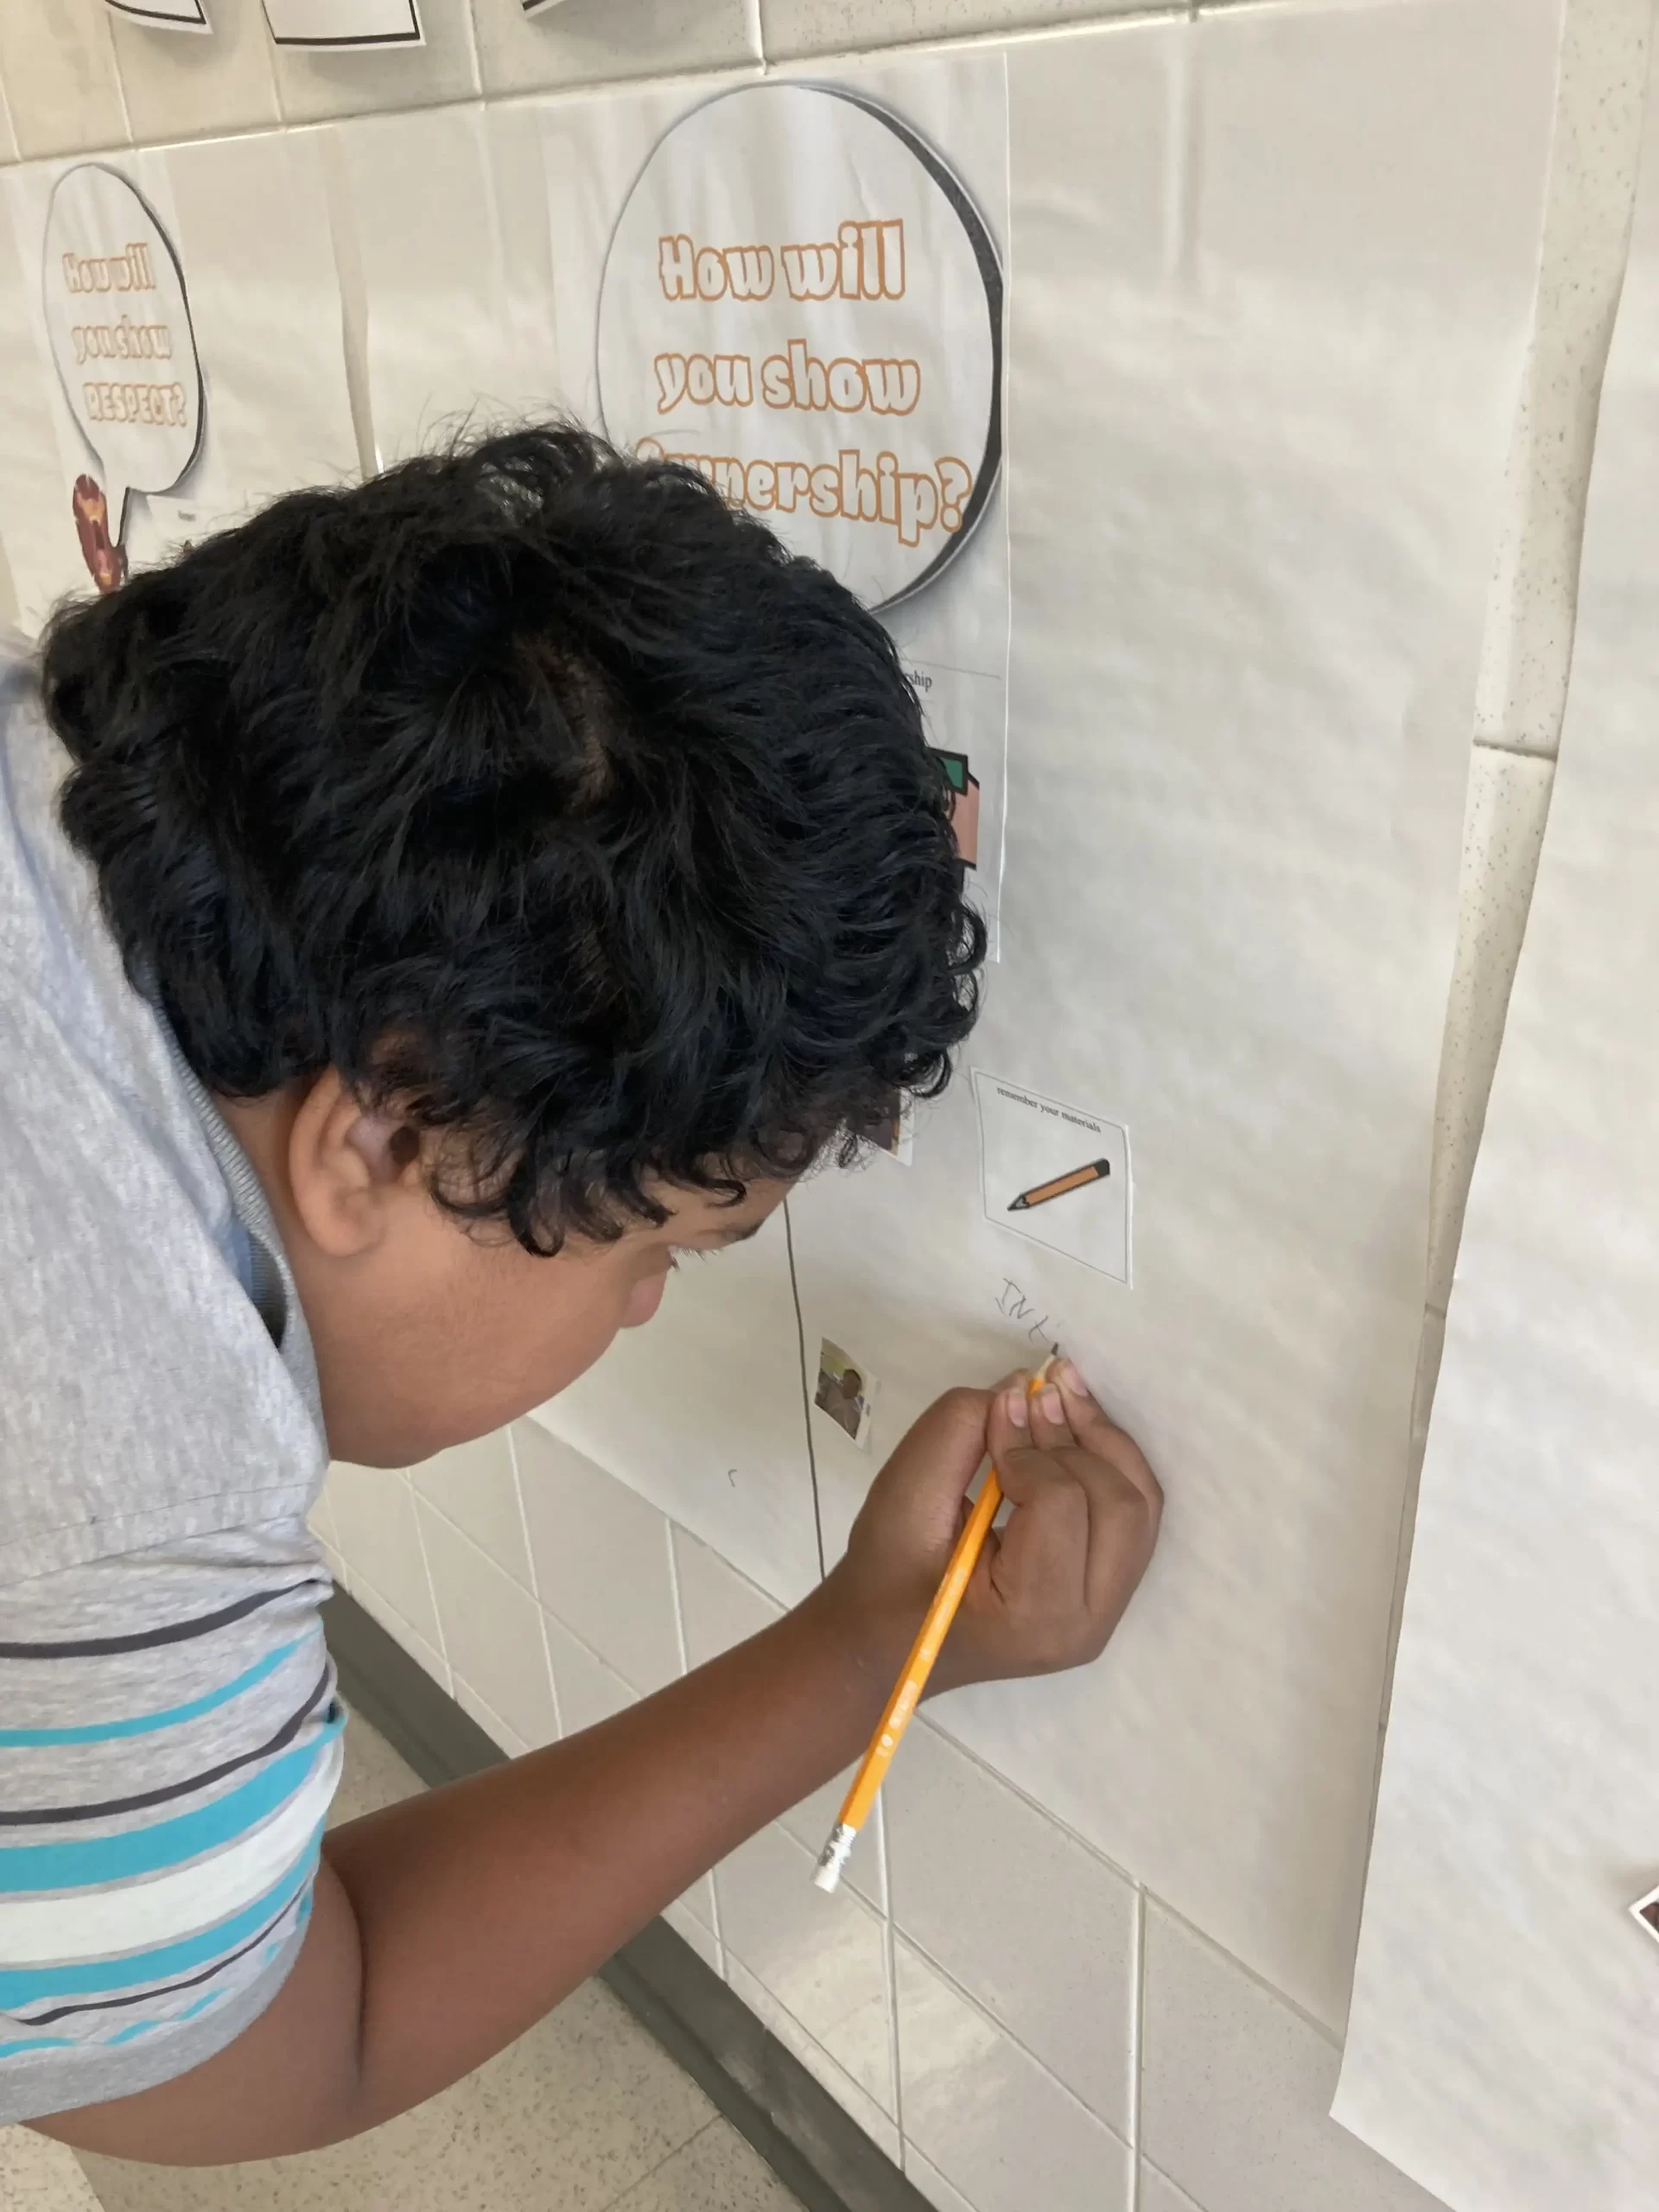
x=1018, y=1206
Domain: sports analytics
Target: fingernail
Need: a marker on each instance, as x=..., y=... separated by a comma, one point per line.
x=1051, y=1403
x=1017, y=1412
x=1072, y=1380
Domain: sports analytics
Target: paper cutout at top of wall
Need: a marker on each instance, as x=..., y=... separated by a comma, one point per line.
x=163, y=15
x=1501, y=2044
x=344, y=25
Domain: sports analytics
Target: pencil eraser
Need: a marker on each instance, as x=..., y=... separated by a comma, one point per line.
x=834, y=1857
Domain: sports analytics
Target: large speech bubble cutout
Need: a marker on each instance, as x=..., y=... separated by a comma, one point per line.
x=802, y=302
x=119, y=326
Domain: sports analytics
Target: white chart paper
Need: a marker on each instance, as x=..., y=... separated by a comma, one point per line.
x=1505, y=2020
x=1259, y=403
x=446, y=219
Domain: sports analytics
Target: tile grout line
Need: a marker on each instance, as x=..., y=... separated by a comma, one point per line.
x=399, y=1614
x=757, y=32
x=1152, y=11
x=120, y=86
x=1074, y=1835
x=431, y=1582
x=890, y=1968
x=1251, y=1974
x=535, y=1581
x=1020, y=2045
x=809, y=2035
x=806, y=1397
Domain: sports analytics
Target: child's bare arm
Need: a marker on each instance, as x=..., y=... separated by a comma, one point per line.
x=445, y=1925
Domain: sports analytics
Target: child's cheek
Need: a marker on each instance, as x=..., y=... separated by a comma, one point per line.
x=642, y=1301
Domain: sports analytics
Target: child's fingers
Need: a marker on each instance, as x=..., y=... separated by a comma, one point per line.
x=1096, y=1433
x=1050, y=1431
x=1007, y=1424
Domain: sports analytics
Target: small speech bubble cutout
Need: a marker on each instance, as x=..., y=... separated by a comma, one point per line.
x=119, y=326
x=802, y=303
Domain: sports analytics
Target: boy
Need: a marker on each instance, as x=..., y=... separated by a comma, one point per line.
x=423, y=910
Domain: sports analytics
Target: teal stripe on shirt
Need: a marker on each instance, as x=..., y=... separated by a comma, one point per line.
x=127, y=2035
x=37, y=1867
x=32, y=1739
x=33, y=1985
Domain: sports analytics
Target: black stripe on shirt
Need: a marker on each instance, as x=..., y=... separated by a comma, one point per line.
x=289, y=1729
x=167, y=1988
x=103, y=1646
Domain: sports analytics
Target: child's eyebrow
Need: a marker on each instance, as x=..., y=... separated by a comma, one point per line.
x=740, y=1235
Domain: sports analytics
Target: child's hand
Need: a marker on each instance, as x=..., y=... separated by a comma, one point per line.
x=1052, y=1583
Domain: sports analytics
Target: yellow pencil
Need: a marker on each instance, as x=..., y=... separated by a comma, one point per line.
x=907, y=1692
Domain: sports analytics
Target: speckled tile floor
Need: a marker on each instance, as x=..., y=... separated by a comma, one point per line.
x=586, y=2113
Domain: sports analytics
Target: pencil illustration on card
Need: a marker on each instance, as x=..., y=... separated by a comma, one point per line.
x=1057, y=1186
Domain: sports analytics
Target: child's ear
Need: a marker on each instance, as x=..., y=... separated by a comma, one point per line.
x=348, y=1168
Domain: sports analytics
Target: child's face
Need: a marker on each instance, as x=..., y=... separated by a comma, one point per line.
x=478, y=1331
x=429, y=1331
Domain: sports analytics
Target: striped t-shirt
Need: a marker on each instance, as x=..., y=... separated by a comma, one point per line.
x=170, y=1734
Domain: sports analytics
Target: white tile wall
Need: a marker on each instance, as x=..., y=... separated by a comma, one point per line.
x=793, y=28
x=719, y=1608
x=1235, y=2092
x=594, y=42
x=588, y=1690
x=988, y=2118
x=7, y=135
x=373, y=1511
x=179, y=87
x=312, y=86
x=505, y=1737
x=1055, y=1962
x=1159, y=2194
x=823, y=1958
x=424, y=1653
x=491, y=1629
x=602, y=1557
x=475, y=1485
x=818, y=2062
x=943, y=2196
x=61, y=83
x=702, y=1938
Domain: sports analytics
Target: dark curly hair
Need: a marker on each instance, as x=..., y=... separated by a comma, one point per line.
x=546, y=798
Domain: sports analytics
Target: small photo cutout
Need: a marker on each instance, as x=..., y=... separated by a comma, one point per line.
x=1645, y=1913
x=892, y=1128
x=846, y=1392
x=964, y=803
